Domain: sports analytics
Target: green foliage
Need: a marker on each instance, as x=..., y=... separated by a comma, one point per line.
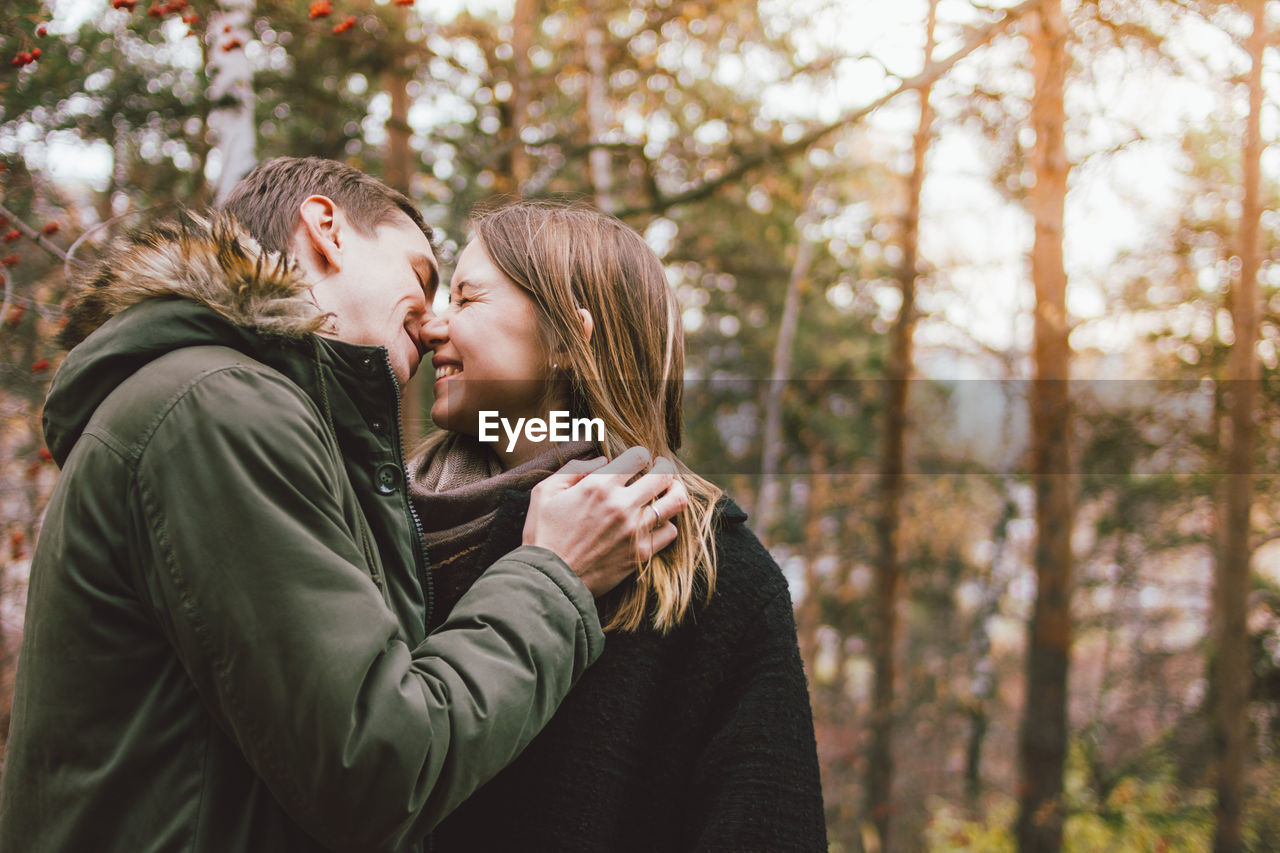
x=949, y=831
x=1139, y=816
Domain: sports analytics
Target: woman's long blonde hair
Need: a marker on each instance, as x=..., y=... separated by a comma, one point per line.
x=629, y=373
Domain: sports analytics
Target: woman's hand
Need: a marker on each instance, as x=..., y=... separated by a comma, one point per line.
x=599, y=525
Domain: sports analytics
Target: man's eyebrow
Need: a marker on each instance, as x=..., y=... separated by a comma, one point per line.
x=429, y=273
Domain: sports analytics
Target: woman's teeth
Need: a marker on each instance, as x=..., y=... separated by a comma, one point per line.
x=447, y=370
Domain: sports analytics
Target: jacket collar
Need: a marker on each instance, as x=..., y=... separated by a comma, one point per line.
x=211, y=261
x=197, y=281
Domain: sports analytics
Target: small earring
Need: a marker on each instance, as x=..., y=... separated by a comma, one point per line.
x=555, y=365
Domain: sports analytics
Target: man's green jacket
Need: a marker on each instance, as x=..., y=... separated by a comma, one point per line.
x=224, y=646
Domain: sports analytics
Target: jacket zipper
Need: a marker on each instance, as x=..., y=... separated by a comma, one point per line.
x=428, y=844
x=419, y=543
x=366, y=536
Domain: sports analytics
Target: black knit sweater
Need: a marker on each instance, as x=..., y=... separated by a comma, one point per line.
x=699, y=740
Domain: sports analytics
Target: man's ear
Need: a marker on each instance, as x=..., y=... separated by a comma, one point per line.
x=318, y=237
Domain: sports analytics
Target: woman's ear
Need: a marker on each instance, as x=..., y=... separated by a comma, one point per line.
x=562, y=357
x=318, y=237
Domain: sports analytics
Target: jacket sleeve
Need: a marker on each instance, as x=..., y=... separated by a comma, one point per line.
x=259, y=583
x=756, y=784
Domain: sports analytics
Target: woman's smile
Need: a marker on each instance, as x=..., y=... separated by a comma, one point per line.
x=445, y=369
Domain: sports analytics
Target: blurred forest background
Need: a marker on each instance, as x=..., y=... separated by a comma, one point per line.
x=983, y=315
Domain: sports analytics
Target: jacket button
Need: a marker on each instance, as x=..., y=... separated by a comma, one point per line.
x=388, y=479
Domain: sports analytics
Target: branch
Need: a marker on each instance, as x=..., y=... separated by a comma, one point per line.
x=8, y=294
x=932, y=72
x=34, y=236
x=1137, y=137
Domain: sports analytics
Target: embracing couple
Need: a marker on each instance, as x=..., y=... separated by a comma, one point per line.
x=253, y=625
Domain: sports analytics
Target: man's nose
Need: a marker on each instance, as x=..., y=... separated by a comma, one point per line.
x=435, y=329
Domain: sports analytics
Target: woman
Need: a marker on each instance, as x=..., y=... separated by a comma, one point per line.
x=693, y=730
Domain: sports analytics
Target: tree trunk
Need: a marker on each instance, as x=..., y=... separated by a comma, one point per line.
x=398, y=171
x=1042, y=747
x=231, y=90
x=809, y=617
x=522, y=29
x=888, y=569
x=400, y=165
x=1231, y=663
x=771, y=453
x=983, y=681
x=599, y=160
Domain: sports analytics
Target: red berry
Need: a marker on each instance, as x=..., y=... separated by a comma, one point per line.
x=42, y=31
x=35, y=54
x=232, y=45
x=127, y=5
x=344, y=26
x=12, y=234
x=10, y=260
x=51, y=228
x=40, y=365
x=320, y=9
x=15, y=315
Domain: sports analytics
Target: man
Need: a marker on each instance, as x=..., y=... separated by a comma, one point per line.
x=224, y=647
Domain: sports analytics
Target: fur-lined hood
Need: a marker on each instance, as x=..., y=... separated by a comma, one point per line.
x=199, y=280
x=209, y=260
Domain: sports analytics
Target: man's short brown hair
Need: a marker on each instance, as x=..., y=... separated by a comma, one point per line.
x=267, y=200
